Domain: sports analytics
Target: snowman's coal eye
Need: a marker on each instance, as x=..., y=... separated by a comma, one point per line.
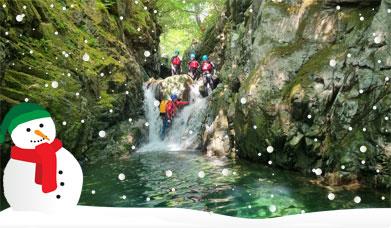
x=28, y=129
x=41, y=125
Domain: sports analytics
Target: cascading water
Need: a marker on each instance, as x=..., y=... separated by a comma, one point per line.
x=184, y=133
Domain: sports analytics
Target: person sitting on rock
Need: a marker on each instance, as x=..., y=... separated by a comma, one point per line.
x=193, y=66
x=176, y=63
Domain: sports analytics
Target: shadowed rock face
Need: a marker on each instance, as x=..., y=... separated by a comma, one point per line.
x=313, y=83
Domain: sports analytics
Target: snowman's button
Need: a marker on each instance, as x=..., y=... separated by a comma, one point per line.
x=60, y=172
x=62, y=183
x=58, y=196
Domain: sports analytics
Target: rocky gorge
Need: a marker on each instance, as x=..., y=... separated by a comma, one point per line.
x=304, y=84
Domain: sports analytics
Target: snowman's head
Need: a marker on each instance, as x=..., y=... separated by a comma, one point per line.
x=29, y=126
x=33, y=133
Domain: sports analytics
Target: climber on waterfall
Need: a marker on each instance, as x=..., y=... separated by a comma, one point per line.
x=193, y=66
x=163, y=115
x=208, y=73
x=176, y=63
x=168, y=109
x=173, y=106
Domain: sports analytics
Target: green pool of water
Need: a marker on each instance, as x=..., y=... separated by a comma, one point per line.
x=249, y=190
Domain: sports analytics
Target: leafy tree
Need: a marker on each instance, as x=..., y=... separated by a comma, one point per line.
x=185, y=21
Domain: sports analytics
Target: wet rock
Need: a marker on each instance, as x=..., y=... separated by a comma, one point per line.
x=216, y=141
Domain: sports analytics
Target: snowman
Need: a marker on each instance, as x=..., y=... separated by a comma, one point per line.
x=41, y=175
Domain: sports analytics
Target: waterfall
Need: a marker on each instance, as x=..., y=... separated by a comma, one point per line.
x=184, y=133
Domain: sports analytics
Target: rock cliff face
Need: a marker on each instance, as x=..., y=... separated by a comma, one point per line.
x=309, y=79
x=84, y=60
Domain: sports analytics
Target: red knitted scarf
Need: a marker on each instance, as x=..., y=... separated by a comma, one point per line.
x=44, y=156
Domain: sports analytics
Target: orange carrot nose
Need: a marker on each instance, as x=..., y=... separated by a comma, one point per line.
x=39, y=133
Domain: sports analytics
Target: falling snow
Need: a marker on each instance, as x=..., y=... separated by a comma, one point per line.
x=102, y=134
x=121, y=177
x=168, y=173
x=86, y=57
x=54, y=84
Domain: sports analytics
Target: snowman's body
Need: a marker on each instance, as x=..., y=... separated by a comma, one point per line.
x=20, y=188
x=22, y=193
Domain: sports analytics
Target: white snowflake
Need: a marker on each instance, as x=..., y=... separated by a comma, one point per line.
x=64, y=123
x=168, y=173
x=121, y=177
x=362, y=18
x=102, y=134
x=333, y=63
x=343, y=167
x=270, y=149
x=54, y=84
x=331, y=196
x=26, y=99
x=121, y=18
x=270, y=162
x=147, y=53
x=86, y=57
x=338, y=7
x=272, y=208
x=318, y=171
x=201, y=174
x=225, y=172
x=93, y=192
x=363, y=149
x=243, y=100
x=20, y=17
x=156, y=103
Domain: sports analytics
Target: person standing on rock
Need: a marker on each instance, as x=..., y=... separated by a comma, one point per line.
x=193, y=66
x=176, y=63
x=208, y=72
